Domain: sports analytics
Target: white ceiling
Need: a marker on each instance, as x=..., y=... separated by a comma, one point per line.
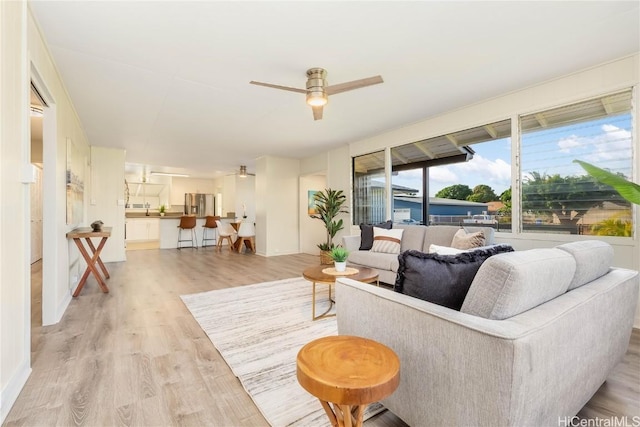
x=169, y=81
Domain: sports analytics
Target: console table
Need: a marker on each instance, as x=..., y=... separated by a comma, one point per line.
x=87, y=233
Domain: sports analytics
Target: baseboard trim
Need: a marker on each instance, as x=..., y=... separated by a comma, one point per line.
x=11, y=392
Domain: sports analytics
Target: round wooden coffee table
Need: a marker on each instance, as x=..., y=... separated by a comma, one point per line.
x=346, y=373
x=315, y=275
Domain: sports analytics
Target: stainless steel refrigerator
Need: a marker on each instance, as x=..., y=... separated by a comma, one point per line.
x=199, y=204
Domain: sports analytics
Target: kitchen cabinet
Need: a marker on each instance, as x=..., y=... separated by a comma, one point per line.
x=142, y=229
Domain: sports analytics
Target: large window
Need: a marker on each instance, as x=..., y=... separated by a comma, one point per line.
x=557, y=195
x=369, y=189
x=455, y=178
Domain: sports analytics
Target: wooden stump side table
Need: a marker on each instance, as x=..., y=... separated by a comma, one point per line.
x=315, y=275
x=346, y=373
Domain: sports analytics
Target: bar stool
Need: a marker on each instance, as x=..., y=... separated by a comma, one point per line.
x=187, y=222
x=247, y=235
x=209, y=223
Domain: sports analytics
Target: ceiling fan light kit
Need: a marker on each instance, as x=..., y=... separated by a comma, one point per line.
x=317, y=92
x=243, y=172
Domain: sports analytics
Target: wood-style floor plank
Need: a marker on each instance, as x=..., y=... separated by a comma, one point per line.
x=136, y=356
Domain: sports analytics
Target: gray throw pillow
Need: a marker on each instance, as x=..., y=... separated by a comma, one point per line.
x=366, y=234
x=441, y=279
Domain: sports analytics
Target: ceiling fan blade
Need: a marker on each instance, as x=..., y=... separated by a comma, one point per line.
x=291, y=89
x=317, y=113
x=355, y=84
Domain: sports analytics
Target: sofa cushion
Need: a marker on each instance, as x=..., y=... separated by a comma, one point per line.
x=366, y=233
x=512, y=283
x=441, y=279
x=593, y=259
x=464, y=240
x=386, y=241
x=377, y=260
x=413, y=237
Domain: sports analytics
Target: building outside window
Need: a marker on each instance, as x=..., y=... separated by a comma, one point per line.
x=455, y=178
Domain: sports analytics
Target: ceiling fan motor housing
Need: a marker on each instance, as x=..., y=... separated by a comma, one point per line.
x=316, y=82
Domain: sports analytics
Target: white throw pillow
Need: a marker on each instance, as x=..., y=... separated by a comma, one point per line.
x=444, y=250
x=387, y=241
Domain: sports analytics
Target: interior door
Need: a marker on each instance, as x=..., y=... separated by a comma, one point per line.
x=36, y=215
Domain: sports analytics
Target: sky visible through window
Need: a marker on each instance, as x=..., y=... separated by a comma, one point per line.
x=603, y=142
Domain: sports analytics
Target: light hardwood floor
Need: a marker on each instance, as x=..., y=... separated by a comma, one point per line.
x=135, y=356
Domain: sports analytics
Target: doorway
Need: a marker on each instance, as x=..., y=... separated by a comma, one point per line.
x=36, y=114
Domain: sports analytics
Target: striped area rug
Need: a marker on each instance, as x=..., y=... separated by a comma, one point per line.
x=259, y=329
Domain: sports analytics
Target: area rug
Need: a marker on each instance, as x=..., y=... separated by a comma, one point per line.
x=259, y=329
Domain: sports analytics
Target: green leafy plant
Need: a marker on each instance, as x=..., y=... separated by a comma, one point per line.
x=162, y=208
x=630, y=191
x=329, y=204
x=617, y=225
x=339, y=254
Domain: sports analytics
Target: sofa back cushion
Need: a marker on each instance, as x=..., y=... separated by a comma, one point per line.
x=413, y=237
x=593, y=259
x=512, y=283
x=441, y=279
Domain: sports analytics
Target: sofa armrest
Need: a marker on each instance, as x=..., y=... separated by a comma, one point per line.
x=351, y=243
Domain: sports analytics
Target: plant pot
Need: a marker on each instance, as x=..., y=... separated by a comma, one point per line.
x=325, y=258
x=161, y=213
x=340, y=266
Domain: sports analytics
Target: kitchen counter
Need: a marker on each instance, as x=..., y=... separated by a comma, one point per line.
x=152, y=215
x=168, y=215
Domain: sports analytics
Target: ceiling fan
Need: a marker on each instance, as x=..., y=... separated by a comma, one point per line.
x=242, y=173
x=317, y=90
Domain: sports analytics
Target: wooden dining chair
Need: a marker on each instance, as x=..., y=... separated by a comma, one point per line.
x=225, y=232
x=247, y=236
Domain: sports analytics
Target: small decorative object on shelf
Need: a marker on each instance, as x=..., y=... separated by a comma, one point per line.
x=162, y=209
x=97, y=225
x=339, y=256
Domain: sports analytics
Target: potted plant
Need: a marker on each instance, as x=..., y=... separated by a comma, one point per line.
x=630, y=191
x=162, y=209
x=329, y=204
x=339, y=256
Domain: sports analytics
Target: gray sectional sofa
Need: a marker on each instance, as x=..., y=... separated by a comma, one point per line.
x=538, y=333
x=417, y=237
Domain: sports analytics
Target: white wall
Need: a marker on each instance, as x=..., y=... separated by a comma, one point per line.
x=14, y=212
x=313, y=176
x=106, y=198
x=245, y=196
x=312, y=231
x=24, y=57
x=180, y=186
x=60, y=123
x=277, y=206
x=339, y=178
